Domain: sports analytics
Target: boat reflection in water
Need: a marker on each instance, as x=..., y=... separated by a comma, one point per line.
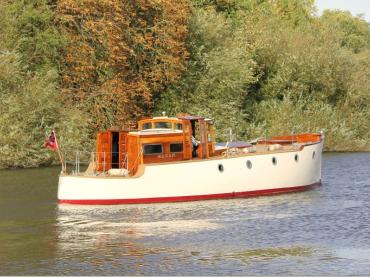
x=119, y=235
x=168, y=237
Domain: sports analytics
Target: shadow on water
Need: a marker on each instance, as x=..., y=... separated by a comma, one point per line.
x=323, y=231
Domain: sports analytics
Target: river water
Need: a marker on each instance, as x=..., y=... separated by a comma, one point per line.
x=325, y=231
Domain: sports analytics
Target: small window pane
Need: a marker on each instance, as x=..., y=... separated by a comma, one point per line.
x=178, y=126
x=175, y=147
x=165, y=125
x=147, y=126
x=153, y=149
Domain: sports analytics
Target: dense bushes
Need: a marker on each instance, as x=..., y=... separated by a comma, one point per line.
x=258, y=67
x=264, y=68
x=29, y=96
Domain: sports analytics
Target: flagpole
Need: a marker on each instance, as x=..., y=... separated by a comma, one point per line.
x=59, y=152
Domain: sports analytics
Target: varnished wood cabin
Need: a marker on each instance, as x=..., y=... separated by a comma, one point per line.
x=157, y=140
x=169, y=139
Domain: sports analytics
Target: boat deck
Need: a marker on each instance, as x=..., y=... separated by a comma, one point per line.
x=220, y=154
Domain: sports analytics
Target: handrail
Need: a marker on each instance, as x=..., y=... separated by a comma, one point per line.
x=137, y=157
x=87, y=158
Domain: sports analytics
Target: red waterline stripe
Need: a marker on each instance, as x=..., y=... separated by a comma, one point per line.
x=188, y=198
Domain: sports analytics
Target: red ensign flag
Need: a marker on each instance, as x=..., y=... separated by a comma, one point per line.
x=51, y=142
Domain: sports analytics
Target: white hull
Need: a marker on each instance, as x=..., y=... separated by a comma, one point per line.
x=196, y=180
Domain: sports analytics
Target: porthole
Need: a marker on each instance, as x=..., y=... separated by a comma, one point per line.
x=274, y=161
x=220, y=168
x=313, y=155
x=296, y=157
x=249, y=164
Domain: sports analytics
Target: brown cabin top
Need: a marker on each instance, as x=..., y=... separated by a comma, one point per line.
x=162, y=122
x=170, y=139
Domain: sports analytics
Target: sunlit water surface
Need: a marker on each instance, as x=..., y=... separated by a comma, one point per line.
x=325, y=231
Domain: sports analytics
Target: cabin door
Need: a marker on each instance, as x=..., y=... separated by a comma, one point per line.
x=115, y=150
x=104, y=151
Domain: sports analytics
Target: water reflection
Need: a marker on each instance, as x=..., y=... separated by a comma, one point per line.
x=126, y=234
x=126, y=221
x=177, y=233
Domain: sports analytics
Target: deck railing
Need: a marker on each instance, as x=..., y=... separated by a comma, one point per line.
x=88, y=163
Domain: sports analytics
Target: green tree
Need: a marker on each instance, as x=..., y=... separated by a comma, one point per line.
x=307, y=75
x=354, y=32
x=218, y=74
x=29, y=95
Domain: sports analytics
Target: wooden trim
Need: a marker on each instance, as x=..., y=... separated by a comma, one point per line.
x=104, y=151
x=187, y=139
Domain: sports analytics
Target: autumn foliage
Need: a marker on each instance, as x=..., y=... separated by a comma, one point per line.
x=120, y=54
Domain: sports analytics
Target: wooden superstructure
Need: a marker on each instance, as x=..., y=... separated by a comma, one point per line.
x=171, y=139
x=157, y=140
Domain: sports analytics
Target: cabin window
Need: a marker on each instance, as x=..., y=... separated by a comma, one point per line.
x=178, y=126
x=147, y=125
x=296, y=158
x=150, y=149
x=209, y=136
x=220, y=168
x=176, y=147
x=249, y=164
x=163, y=125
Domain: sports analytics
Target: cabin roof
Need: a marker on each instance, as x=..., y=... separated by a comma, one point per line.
x=159, y=118
x=178, y=118
x=190, y=117
x=156, y=131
